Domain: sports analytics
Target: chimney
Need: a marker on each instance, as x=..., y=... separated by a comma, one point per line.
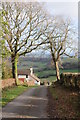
x=31, y=69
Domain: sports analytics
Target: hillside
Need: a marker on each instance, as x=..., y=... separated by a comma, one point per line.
x=43, y=67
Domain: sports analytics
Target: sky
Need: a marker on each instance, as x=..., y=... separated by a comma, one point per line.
x=65, y=9
x=68, y=8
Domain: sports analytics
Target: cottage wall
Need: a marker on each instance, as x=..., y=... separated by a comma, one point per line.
x=32, y=79
x=30, y=83
x=21, y=76
x=37, y=83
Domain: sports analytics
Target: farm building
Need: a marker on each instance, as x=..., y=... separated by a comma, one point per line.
x=28, y=76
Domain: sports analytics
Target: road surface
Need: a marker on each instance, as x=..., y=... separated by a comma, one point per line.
x=30, y=104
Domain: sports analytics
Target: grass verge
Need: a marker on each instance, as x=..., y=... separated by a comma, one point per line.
x=9, y=94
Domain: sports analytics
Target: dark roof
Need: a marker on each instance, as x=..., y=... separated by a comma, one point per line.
x=24, y=72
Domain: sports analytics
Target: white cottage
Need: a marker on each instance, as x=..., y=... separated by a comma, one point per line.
x=28, y=76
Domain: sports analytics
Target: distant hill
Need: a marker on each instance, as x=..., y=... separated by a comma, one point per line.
x=45, y=63
x=44, y=68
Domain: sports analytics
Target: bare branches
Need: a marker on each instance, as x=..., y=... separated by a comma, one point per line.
x=25, y=25
x=28, y=26
x=60, y=38
x=33, y=48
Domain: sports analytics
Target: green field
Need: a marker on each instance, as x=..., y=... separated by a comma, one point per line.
x=23, y=64
x=51, y=74
x=49, y=79
x=44, y=69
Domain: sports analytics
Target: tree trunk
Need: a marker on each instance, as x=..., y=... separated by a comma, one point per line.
x=16, y=77
x=14, y=68
x=57, y=71
x=3, y=71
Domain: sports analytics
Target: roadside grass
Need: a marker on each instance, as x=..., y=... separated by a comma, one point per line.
x=66, y=101
x=54, y=93
x=9, y=94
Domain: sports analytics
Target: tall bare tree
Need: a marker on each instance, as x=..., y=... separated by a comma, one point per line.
x=60, y=36
x=22, y=25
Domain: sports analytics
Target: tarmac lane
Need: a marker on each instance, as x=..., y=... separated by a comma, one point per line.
x=31, y=104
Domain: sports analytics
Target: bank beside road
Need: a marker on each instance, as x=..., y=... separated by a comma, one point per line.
x=63, y=102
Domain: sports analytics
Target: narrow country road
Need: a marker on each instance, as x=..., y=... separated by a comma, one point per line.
x=30, y=104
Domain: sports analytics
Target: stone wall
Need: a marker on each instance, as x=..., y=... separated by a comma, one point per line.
x=7, y=83
x=31, y=83
x=70, y=79
x=10, y=82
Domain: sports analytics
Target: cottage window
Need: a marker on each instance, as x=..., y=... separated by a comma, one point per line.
x=26, y=76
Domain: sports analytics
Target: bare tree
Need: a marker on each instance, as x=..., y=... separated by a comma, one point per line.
x=23, y=26
x=60, y=36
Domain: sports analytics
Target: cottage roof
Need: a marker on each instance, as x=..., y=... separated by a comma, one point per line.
x=24, y=72
x=28, y=72
x=35, y=77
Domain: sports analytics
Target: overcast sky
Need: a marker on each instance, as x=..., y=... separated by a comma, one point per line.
x=65, y=9
x=68, y=8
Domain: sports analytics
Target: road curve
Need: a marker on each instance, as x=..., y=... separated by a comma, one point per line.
x=30, y=104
